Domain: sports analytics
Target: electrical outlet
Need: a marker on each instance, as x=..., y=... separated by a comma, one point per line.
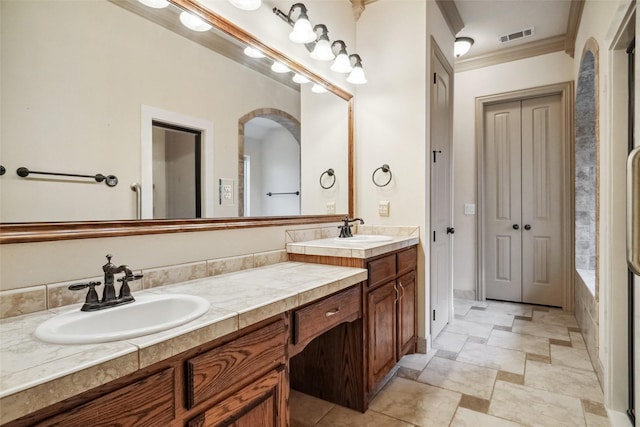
x=226, y=191
x=331, y=208
x=469, y=209
x=383, y=208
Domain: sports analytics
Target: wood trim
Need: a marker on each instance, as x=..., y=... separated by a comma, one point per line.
x=566, y=92
x=522, y=51
x=451, y=15
x=573, y=25
x=55, y=231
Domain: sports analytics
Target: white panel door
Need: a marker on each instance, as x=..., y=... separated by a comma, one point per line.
x=542, y=259
x=523, y=258
x=441, y=210
x=502, y=212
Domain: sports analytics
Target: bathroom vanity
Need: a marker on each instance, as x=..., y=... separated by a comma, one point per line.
x=389, y=303
x=333, y=331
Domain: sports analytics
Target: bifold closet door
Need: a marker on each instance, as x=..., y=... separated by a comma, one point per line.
x=523, y=201
x=542, y=258
x=503, y=210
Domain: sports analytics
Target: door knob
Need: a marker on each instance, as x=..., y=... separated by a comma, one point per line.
x=527, y=227
x=516, y=227
x=451, y=230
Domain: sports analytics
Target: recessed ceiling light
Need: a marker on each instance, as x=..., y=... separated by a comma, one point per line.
x=279, y=67
x=252, y=52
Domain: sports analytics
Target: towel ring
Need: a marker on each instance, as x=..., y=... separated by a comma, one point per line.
x=384, y=168
x=330, y=173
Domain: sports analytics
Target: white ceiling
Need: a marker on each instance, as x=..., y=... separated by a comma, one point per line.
x=486, y=20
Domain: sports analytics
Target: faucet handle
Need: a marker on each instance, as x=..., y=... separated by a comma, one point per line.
x=92, y=295
x=81, y=286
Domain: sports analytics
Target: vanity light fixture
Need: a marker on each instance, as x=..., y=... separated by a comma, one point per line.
x=246, y=4
x=357, y=76
x=342, y=64
x=252, y=52
x=322, y=50
x=302, y=31
x=279, y=67
x=300, y=79
x=156, y=4
x=193, y=22
x=462, y=46
x=316, y=88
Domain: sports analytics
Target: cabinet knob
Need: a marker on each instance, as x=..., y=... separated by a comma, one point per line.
x=527, y=227
x=516, y=227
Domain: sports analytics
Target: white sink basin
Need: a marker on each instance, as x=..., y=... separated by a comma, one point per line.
x=364, y=238
x=148, y=314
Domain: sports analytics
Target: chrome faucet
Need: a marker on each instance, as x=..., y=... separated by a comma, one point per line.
x=109, y=298
x=345, y=230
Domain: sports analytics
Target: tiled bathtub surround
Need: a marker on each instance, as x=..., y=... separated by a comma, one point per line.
x=587, y=315
x=487, y=369
x=586, y=142
x=30, y=300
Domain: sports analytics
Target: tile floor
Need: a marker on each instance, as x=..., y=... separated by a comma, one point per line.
x=498, y=364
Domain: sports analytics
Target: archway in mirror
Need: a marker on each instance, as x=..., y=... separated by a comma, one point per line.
x=269, y=163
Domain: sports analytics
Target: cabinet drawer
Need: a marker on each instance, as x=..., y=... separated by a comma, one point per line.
x=323, y=315
x=233, y=365
x=382, y=270
x=147, y=402
x=407, y=260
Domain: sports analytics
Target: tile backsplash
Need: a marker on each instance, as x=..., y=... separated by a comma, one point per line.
x=17, y=302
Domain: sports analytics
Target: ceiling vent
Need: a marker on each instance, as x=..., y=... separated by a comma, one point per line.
x=516, y=36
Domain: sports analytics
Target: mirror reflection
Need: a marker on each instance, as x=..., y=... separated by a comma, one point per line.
x=90, y=87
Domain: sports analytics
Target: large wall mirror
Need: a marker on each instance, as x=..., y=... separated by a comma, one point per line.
x=198, y=134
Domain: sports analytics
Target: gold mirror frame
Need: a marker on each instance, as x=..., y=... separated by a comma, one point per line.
x=52, y=231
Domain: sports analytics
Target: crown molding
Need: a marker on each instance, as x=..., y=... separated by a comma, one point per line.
x=451, y=15
x=573, y=24
x=526, y=50
x=359, y=6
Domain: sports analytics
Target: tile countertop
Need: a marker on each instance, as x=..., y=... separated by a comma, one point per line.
x=35, y=374
x=336, y=248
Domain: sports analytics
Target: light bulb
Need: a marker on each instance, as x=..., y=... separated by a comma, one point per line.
x=279, y=67
x=357, y=76
x=299, y=78
x=318, y=88
x=156, y=4
x=302, y=31
x=193, y=22
x=322, y=51
x=341, y=64
x=252, y=52
x=246, y=4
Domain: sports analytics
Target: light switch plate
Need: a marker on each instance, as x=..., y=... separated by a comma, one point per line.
x=383, y=208
x=469, y=209
x=331, y=208
x=226, y=192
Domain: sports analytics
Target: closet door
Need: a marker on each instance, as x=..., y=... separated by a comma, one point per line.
x=523, y=258
x=502, y=206
x=542, y=258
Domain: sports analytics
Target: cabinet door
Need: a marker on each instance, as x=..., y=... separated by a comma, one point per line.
x=261, y=404
x=407, y=314
x=381, y=310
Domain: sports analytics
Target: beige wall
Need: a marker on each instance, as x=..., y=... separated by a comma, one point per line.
x=526, y=73
x=392, y=118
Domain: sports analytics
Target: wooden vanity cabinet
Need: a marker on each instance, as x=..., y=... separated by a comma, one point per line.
x=390, y=322
x=391, y=312
x=239, y=380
